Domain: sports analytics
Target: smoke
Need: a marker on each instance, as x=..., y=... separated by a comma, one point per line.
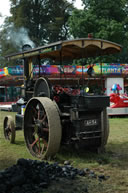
x=19, y=37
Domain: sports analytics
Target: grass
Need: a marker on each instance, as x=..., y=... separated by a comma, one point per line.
x=9, y=153
x=113, y=163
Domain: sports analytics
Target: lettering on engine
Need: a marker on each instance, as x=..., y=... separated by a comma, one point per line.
x=91, y=122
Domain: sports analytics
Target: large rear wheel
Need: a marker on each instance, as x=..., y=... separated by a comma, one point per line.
x=106, y=127
x=105, y=130
x=42, y=127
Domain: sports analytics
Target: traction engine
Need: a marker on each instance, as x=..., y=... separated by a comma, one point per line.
x=58, y=111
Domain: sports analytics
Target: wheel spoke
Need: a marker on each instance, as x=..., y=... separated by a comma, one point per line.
x=39, y=146
x=39, y=114
x=8, y=134
x=46, y=129
x=44, y=146
x=44, y=118
x=35, y=110
x=36, y=140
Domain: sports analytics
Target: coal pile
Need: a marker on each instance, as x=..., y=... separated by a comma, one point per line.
x=33, y=176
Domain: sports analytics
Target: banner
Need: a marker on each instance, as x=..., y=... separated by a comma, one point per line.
x=15, y=70
x=3, y=72
x=108, y=69
x=105, y=69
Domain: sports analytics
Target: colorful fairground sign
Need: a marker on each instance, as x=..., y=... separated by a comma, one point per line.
x=105, y=69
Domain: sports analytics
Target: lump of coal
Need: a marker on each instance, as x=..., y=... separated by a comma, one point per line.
x=33, y=176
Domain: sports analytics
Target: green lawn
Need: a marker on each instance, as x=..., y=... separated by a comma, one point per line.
x=113, y=163
x=9, y=153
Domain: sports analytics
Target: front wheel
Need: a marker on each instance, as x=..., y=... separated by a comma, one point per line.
x=9, y=129
x=42, y=127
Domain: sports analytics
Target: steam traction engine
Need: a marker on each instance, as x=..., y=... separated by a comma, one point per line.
x=57, y=109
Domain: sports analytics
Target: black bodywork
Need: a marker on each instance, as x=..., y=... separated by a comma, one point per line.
x=80, y=115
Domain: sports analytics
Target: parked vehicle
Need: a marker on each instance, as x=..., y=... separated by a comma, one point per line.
x=58, y=110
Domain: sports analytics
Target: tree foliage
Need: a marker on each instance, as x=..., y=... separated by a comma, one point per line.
x=44, y=21
x=36, y=22
x=105, y=19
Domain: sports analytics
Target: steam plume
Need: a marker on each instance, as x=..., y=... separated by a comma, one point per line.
x=19, y=37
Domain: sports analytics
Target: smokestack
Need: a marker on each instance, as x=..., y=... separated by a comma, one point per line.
x=26, y=47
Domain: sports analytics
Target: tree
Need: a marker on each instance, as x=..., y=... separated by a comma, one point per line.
x=105, y=19
x=57, y=27
x=6, y=46
x=45, y=20
x=35, y=22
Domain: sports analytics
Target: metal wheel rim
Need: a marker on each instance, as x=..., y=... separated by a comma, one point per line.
x=105, y=127
x=44, y=85
x=9, y=129
x=42, y=127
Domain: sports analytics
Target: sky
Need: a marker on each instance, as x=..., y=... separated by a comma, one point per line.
x=4, y=10
x=5, y=5
x=78, y=4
